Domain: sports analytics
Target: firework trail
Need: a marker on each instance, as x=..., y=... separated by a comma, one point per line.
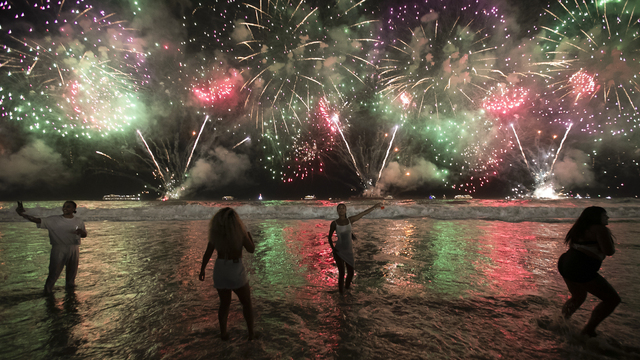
x=151, y=154
x=196, y=143
x=395, y=130
x=520, y=145
x=336, y=120
x=559, y=149
x=544, y=186
x=105, y=155
x=541, y=161
x=241, y=142
x=169, y=165
x=364, y=143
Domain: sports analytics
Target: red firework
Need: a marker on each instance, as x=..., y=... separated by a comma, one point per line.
x=215, y=92
x=582, y=83
x=505, y=100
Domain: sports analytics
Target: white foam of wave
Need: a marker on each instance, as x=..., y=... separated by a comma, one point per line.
x=513, y=211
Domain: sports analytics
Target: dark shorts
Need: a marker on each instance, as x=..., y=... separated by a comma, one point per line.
x=576, y=266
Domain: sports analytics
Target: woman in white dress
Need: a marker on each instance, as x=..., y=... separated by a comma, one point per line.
x=343, y=248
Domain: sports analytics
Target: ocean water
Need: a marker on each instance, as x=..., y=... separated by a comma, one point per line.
x=434, y=280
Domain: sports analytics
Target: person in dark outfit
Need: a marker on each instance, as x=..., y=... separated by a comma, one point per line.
x=590, y=241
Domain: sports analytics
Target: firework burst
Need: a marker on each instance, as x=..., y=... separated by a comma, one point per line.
x=295, y=59
x=280, y=44
x=592, y=53
x=79, y=69
x=505, y=100
x=540, y=161
x=443, y=55
x=170, y=164
x=312, y=148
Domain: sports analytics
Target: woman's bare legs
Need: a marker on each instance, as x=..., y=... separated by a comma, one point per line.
x=578, y=295
x=349, y=276
x=601, y=289
x=223, y=311
x=244, y=295
x=340, y=264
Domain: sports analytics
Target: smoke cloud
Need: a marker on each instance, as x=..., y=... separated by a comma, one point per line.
x=406, y=178
x=222, y=168
x=36, y=164
x=574, y=170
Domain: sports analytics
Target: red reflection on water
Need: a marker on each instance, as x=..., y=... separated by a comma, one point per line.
x=308, y=240
x=509, y=271
x=316, y=255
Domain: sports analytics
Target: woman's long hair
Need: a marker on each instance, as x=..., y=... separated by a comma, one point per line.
x=590, y=216
x=227, y=232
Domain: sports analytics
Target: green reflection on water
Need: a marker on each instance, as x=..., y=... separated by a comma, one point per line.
x=454, y=251
x=277, y=255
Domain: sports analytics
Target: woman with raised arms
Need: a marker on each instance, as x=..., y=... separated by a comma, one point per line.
x=343, y=248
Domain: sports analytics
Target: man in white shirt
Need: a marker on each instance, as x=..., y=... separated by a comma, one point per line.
x=65, y=232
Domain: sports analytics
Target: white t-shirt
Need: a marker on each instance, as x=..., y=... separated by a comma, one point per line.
x=62, y=231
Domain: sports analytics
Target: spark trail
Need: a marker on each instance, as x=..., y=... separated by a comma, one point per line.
x=105, y=155
x=520, y=145
x=151, y=153
x=196, y=143
x=559, y=149
x=241, y=142
x=335, y=119
x=395, y=130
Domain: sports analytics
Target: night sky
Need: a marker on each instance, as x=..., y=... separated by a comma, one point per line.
x=200, y=99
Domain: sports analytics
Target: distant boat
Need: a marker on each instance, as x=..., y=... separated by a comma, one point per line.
x=227, y=197
x=114, y=197
x=310, y=197
x=462, y=197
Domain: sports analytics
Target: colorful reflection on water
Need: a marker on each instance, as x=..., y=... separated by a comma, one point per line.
x=424, y=288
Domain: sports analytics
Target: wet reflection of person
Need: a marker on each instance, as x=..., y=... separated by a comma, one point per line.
x=590, y=241
x=65, y=232
x=343, y=248
x=61, y=324
x=228, y=235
